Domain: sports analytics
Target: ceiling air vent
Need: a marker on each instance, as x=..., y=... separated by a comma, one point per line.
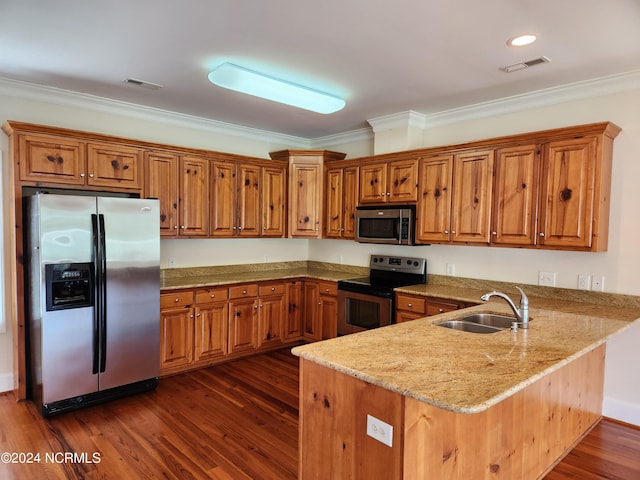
x=142, y=83
x=528, y=63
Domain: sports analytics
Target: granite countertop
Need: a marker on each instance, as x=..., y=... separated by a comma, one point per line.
x=173, y=279
x=460, y=371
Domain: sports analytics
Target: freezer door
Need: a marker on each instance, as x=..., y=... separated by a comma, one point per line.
x=132, y=253
x=61, y=228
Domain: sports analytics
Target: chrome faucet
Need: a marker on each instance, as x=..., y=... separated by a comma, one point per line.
x=522, y=313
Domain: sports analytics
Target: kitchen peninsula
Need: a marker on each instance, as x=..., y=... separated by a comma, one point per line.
x=455, y=404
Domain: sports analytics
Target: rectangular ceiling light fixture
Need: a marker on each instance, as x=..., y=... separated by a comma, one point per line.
x=260, y=85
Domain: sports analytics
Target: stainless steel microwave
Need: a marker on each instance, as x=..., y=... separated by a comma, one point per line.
x=386, y=224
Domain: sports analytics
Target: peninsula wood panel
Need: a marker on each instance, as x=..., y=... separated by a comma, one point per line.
x=522, y=437
x=333, y=426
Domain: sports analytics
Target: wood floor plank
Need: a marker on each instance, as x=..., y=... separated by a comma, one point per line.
x=236, y=421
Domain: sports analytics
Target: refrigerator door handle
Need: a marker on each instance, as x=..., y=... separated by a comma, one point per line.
x=96, y=313
x=102, y=281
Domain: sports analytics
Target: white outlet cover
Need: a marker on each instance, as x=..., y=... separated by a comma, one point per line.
x=381, y=431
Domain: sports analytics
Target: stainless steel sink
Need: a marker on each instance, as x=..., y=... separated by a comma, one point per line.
x=479, y=323
x=469, y=326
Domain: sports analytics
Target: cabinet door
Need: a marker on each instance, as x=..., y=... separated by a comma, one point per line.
x=306, y=197
x=243, y=325
x=273, y=310
x=472, y=186
x=292, y=328
x=312, y=329
x=328, y=315
x=274, y=201
x=223, y=199
x=350, y=183
x=515, y=196
x=194, y=196
x=51, y=159
x=211, y=330
x=114, y=166
x=567, y=199
x=176, y=337
x=161, y=182
x=403, y=181
x=434, y=207
x=333, y=203
x=373, y=183
x=249, y=213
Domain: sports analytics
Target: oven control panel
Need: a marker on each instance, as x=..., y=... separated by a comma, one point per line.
x=398, y=264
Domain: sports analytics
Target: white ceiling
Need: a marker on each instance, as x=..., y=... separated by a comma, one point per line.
x=382, y=57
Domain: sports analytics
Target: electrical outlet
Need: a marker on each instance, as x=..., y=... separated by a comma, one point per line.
x=381, y=431
x=340, y=259
x=584, y=282
x=451, y=268
x=547, y=279
x=171, y=262
x=597, y=283
x=266, y=258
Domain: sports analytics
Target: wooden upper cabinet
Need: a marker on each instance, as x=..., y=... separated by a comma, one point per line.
x=161, y=182
x=306, y=200
x=471, y=203
x=47, y=158
x=373, y=183
x=274, y=201
x=341, y=199
x=393, y=181
x=247, y=200
x=249, y=208
x=433, y=221
x=567, y=204
x=62, y=160
x=112, y=165
x=194, y=196
x=515, y=195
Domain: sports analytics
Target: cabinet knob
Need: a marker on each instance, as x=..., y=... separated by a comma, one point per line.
x=447, y=232
x=197, y=315
x=182, y=227
x=213, y=295
x=175, y=227
x=453, y=232
x=91, y=175
x=441, y=310
x=494, y=233
x=542, y=234
x=191, y=316
x=177, y=300
x=264, y=228
x=244, y=292
x=273, y=289
x=410, y=305
x=82, y=175
x=239, y=228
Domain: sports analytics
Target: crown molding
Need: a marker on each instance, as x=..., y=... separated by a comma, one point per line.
x=57, y=96
x=360, y=135
x=405, y=119
x=550, y=96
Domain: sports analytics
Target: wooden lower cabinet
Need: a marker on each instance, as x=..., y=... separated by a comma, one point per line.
x=522, y=437
x=292, y=325
x=271, y=313
x=243, y=318
x=211, y=314
x=320, y=315
x=176, y=330
x=412, y=307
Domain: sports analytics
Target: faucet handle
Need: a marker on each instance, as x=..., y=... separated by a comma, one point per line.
x=524, y=300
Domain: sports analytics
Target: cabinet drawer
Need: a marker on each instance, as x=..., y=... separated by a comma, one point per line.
x=241, y=291
x=176, y=299
x=436, y=308
x=328, y=288
x=411, y=303
x=271, y=289
x=208, y=295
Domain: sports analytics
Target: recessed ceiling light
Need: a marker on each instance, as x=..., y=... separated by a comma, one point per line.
x=265, y=86
x=522, y=40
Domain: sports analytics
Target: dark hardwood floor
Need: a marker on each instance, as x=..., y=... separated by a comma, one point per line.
x=233, y=421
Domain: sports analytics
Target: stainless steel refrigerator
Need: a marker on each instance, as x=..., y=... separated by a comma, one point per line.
x=93, y=289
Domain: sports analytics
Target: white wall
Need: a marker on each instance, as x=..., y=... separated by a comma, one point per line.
x=619, y=265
